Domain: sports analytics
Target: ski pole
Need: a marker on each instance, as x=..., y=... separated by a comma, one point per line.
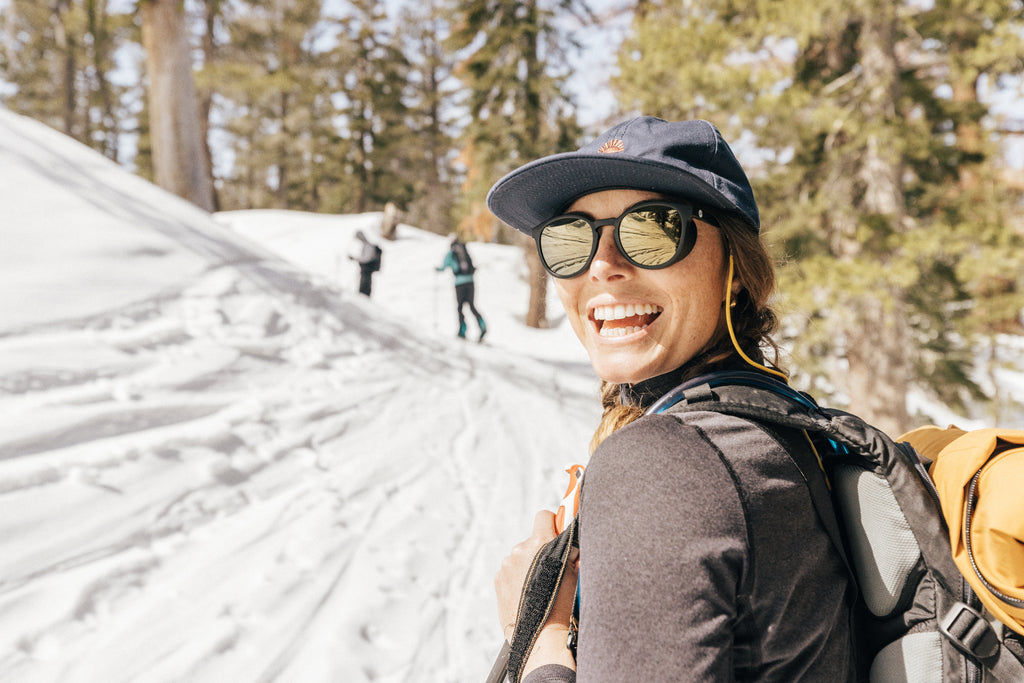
x=433, y=301
x=500, y=669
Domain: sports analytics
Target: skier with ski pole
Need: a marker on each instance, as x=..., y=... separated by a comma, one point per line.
x=461, y=264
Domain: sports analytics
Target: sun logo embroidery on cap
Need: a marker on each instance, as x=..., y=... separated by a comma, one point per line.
x=612, y=146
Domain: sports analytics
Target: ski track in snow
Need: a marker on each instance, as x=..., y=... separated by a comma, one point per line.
x=219, y=463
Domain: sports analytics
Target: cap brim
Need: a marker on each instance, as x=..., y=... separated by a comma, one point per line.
x=542, y=189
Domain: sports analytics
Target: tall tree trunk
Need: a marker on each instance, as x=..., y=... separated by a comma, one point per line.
x=968, y=132
x=212, y=11
x=96, y=11
x=179, y=162
x=66, y=46
x=360, y=139
x=283, y=176
x=436, y=199
x=537, y=313
x=879, y=370
x=878, y=378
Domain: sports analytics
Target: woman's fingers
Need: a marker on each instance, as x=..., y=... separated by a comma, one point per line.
x=544, y=525
x=508, y=583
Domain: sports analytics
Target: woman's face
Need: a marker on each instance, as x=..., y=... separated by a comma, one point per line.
x=637, y=323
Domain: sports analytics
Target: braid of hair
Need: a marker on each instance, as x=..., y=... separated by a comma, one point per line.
x=614, y=415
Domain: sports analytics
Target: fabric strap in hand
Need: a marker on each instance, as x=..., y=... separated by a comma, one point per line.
x=538, y=597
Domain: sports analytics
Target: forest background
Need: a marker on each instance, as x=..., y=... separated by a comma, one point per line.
x=883, y=138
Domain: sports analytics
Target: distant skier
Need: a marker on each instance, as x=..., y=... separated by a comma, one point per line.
x=369, y=262
x=459, y=261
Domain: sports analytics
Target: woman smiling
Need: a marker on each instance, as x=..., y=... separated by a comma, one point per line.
x=701, y=555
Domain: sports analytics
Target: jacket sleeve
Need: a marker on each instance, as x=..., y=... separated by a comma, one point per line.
x=368, y=254
x=449, y=262
x=663, y=547
x=551, y=673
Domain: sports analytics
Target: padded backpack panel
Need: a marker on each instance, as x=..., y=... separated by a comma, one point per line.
x=883, y=548
x=914, y=658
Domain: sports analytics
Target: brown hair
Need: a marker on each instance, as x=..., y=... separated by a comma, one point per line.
x=753, y=321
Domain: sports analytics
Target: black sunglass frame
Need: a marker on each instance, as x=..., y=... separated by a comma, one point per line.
x=687, y=235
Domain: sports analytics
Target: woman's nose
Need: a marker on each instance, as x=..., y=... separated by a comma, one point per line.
x=608, y=263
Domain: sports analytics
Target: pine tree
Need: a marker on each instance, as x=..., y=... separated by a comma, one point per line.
x=275, y=97
x=431, y=118
x=977, y=45
x=863, y=141
x=59, y=57
x=372, y=90
x=513, y=68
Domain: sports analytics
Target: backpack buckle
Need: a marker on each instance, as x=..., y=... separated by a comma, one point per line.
x=969, y=631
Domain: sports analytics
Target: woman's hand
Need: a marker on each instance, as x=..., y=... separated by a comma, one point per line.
x=550, y=647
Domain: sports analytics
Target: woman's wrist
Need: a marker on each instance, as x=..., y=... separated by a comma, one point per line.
x=551, y=648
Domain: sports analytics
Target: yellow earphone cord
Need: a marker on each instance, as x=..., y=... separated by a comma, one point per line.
x=759, y=366
x=732, y=333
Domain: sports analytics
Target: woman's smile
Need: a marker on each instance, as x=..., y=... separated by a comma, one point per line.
x=620, y=320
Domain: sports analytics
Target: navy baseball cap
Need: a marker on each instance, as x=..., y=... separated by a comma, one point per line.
x=680, y=159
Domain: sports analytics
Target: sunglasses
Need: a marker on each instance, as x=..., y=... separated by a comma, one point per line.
x=652, y=234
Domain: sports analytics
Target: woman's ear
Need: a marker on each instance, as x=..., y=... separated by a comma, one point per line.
x=736, y=285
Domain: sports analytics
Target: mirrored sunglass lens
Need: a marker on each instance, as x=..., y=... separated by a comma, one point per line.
x=650, y=236
x=565, y=246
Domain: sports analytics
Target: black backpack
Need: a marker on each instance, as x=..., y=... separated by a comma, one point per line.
x=374, y=264
x=917, y=618
x=463, y=262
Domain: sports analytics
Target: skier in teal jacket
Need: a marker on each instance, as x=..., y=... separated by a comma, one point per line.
x=459, y=261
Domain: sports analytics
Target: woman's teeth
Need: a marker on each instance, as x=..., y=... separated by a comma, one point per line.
x=624, y=319
x=618, y=331
x=620, y=311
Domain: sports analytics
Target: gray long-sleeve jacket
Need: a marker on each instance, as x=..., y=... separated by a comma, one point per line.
x=702, y=559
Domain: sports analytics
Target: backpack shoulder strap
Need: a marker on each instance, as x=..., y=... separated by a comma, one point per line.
x=986, y=641
x=763, y=399
x=535, y=604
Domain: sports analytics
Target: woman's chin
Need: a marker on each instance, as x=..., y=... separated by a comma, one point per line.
x=621, y=368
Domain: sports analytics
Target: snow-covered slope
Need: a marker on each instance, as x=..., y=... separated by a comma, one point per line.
x=215, y=466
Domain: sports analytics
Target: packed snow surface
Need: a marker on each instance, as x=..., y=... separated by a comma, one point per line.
x=218, y=462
